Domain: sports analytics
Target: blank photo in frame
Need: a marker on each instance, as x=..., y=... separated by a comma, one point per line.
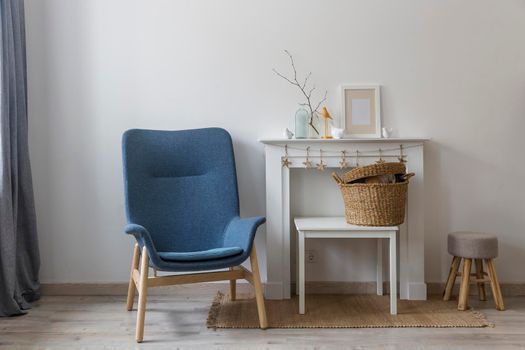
x=361, y=111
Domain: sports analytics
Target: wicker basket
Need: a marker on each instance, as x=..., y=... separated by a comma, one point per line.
x=374, y=170
x=377, y=204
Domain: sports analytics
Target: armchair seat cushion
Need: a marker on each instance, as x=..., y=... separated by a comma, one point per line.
x=201, y=255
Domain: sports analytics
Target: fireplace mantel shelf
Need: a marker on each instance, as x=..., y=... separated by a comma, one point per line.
x=278, y=141
x=279, y=221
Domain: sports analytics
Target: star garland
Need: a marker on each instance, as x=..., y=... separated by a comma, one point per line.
x=343, y=163
x=381, y=160
x=321, y=165
x=401, y=155
x=308, y=163
x=285, y=161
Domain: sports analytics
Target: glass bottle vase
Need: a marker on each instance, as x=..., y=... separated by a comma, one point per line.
x=302, y=117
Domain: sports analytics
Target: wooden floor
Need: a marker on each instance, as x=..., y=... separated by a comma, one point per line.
x=178, y=321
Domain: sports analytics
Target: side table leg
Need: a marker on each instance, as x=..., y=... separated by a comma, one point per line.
x=379, y=271
x=393, y=273
x=301, y=282
x=297, y=265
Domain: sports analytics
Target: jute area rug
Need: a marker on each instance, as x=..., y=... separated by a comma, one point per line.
x=341, y=311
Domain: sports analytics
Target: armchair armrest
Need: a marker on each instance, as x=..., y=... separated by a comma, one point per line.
x=143, y=238
x=241, y=232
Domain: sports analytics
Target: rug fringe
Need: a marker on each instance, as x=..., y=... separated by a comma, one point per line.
x=482, y=317
x=215, y=308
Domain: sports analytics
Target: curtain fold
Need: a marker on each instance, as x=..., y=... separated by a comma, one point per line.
x=19, y=255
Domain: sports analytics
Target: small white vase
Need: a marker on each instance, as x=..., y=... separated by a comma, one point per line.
x=337, y=133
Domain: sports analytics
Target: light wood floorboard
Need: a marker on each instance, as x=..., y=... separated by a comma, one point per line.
x=178, y=321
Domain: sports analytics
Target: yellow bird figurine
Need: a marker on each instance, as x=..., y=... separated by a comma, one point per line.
x=326, y=116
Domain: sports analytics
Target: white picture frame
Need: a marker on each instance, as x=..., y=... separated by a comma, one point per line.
x=361, y=112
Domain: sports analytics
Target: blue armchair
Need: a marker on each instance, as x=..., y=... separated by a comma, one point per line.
x=182, y=207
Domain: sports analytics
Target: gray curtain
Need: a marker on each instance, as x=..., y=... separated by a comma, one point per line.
x=19, y=256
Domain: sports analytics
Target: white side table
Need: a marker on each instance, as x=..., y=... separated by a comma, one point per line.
x=336, y=227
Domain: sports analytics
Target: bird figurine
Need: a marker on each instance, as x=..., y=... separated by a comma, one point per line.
x=326, y=116
x=288, y=134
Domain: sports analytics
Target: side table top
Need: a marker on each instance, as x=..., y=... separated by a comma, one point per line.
x=335, y=224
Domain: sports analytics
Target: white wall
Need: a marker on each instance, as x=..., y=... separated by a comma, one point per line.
x=450, y=70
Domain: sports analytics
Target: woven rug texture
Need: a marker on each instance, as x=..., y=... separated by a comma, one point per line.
x=341, y=311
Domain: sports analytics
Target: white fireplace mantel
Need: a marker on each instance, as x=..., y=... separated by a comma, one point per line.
x=279, y=222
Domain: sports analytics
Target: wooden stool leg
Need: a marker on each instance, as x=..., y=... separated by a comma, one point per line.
x=494, y=283
x=465, y=284
x=481, y=285
x=451, y=278
x=131, y=286
x=233, y=288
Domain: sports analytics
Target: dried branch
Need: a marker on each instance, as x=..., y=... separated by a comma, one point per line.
x=306, y=79
x=311, y=90
x=285, y=78
x=320, y=102
x=293, y=65
x=302, y=87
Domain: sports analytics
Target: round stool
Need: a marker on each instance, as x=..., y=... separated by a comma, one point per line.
x=468, y=246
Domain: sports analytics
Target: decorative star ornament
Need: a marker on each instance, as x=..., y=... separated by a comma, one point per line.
x=308, y=164
x=401, y=157
x=381, y=160
x=321, y=165
x=343, y=163
x=285, y=162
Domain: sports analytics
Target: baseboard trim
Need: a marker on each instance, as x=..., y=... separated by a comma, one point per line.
x=273, y=290
x=507, y=289
x=120, y=289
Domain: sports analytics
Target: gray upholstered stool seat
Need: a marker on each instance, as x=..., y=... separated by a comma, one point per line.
x=478, y=248
x=473, y=245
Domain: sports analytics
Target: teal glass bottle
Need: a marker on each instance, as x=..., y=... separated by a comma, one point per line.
x=301, y=123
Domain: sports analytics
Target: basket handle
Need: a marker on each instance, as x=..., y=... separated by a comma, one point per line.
x=407, y=176
x=337, y=178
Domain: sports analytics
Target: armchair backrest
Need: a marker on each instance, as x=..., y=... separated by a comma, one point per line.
x=180, y=185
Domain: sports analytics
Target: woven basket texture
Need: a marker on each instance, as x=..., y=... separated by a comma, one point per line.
x=374, y=204
x=374, y=170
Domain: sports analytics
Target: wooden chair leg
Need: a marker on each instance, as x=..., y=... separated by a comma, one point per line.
x=481, y=285
x=451, y=278
x=131, y=287
x=233, y=288
x=465, y=284
x=259, y=296
x=143, y=291
x=494, y=283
